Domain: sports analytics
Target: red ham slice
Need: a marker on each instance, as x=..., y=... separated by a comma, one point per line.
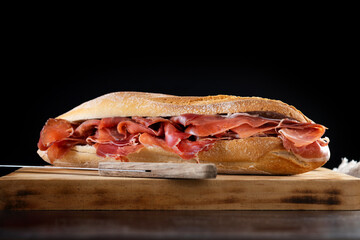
x=105, y=136
x=314, y=150
x=184, y=119
x=150, y=140
x=149, y=120
x=186, y=149
x=120, y=149
x=179, y=143
x=53, y=131
x=107, y=131
x=209, y=125
x=174, y=136
x=56, y=138
x=189, y=149
x=111, y=122
x=60, y=148
x=246, y=130
x=303, y=136
x=133, y=128
x=86, y=128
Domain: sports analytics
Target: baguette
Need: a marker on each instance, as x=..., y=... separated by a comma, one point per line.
x=250, y=155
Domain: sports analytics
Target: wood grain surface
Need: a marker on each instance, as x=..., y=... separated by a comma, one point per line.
x=158, y=170
x=321, y=189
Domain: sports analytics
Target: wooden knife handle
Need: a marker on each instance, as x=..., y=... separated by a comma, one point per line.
x=158, y=170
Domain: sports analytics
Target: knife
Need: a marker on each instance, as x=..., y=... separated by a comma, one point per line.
x=144, y=170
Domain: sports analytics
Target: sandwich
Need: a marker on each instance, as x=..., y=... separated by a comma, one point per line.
x=240, y=135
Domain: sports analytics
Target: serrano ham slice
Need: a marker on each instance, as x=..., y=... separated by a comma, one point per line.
x=315, y=150
x=303, y=136
x=56, y=138
x=185, y=135
x=120, y=149
x=60, y=148
x=53, y=131
x=86, y=128
x=189, y=149
x=243, y=124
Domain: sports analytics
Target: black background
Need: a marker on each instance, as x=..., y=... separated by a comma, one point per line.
x=47, y=80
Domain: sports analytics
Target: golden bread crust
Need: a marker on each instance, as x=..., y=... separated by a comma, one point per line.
x=124, y=104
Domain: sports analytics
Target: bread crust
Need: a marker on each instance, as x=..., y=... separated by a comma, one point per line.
x=255, y=155
x=124, y=104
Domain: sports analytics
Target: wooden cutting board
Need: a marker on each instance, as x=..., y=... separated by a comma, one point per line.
x=320, y=189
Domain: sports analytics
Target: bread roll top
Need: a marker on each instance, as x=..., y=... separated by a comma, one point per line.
x=125, y=104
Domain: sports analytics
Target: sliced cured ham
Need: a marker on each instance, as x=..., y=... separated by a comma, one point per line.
x=86, y=128
x=174, y=136
x=186, y=149
x=110, y=122
x=60, y=148
x=149, y=120
x=246, y=130
x=53, y=131
x=116, y=151
x=132, y=127
x=243, y=124
x=303, y=136
x=57, y=137
x=316, y=150
x=185, y=135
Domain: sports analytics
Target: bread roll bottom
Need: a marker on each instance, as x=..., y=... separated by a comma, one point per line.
x=254, y=155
